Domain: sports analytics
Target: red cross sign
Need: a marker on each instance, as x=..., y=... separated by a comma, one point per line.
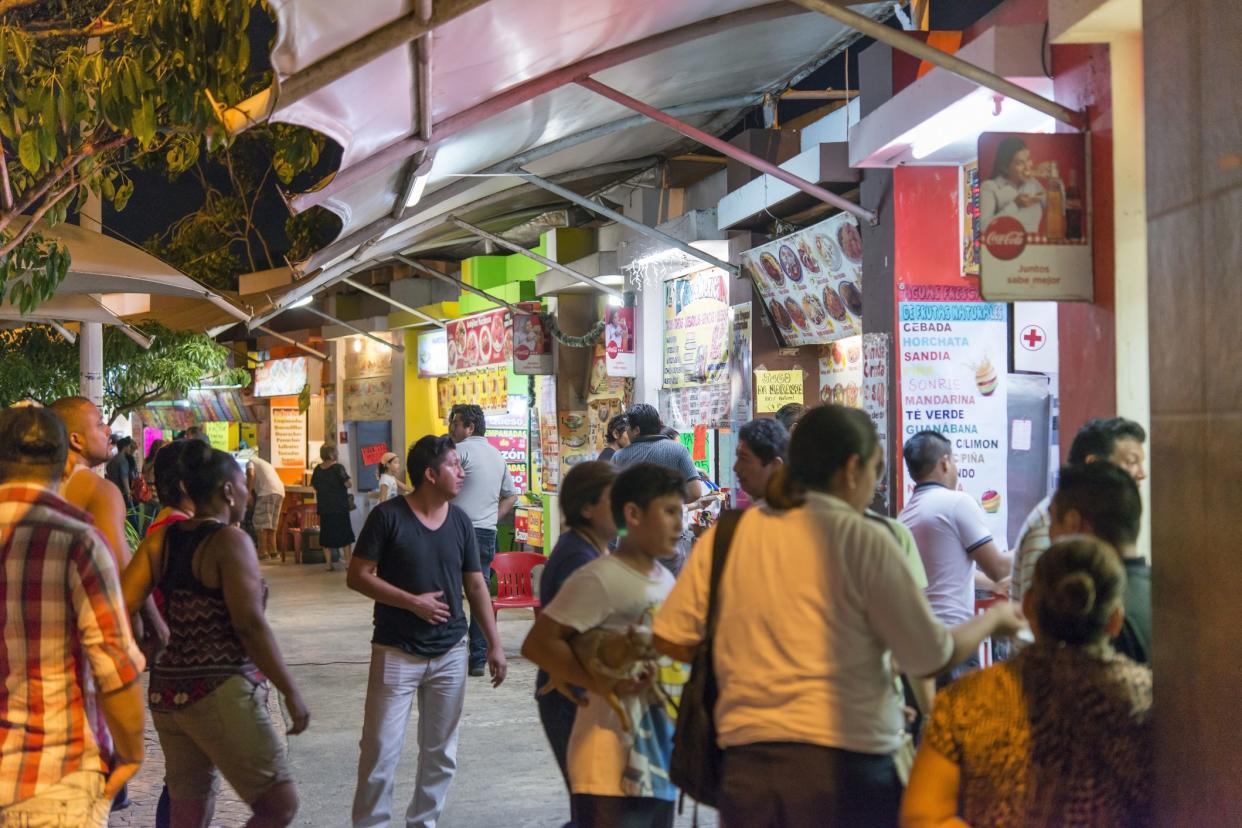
x=1033, y=338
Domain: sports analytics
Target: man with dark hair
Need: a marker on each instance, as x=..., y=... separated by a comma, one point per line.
x=121, y=470
x=952, y=536
x=789, y=414
x=61, y=598
x=648, y=444
x=761, y=448
x=1102, y=499
x=486, y=496
x=617, y=438
x=413, y=558
x=1117, y=440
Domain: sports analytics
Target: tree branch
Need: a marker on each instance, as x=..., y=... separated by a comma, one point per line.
x=48, y=203
x=7, y=192
x=7, y=6
x=97, y=29
x=60, y=171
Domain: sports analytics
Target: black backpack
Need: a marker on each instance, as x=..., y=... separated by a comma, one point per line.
x=696, y=760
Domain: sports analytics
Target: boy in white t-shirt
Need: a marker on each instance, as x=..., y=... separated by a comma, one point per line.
x=618, y=778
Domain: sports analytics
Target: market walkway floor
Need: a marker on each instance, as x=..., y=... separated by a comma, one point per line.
x=506, y=775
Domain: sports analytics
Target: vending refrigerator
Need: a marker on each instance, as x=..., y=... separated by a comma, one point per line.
x=1030, y=438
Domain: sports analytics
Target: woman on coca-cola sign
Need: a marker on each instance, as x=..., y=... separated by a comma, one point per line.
x=1012, y=189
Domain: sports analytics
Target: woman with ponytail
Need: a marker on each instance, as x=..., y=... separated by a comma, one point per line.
x=208, y=689
x=1058, y=736
x=815, y=601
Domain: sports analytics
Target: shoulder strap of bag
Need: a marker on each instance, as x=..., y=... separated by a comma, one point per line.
x=726, y=525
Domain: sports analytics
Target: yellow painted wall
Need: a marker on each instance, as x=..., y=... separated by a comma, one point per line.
x=421, y=416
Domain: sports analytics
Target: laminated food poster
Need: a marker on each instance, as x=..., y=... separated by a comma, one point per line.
x=841, y=372
x=696, y=329
x=952, y=358
x=810, y=281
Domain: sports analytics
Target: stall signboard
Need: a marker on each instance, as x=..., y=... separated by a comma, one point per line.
x=487, y=388
x=280, y=377
x=810, y=281
x=702, y=447
x=1034, y=211
x=218, y=435
x=484, y=340
x=433, y=353
x=512, y=445
x=367, y=399
x=696, y=328
x=841, y=372
x=741, y=403
x=875, y=369
x=288, y=438
x=949, y=355
x=249, y=434
x=697, y=405
x=532, y=342
x=372, y=454
x=619, y=342
x=549, y=438
x=364, y=357
x=774, y=389
x=528, y=526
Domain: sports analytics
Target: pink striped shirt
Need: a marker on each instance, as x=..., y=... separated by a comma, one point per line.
x=62, y=616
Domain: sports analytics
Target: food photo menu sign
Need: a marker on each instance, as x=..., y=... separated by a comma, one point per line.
x=810, y=281
x=952, y=357
x=484, y=340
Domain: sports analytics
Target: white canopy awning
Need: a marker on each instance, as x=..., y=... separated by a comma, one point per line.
x=63, y=308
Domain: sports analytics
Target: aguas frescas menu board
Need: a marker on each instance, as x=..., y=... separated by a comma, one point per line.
x=810, y=281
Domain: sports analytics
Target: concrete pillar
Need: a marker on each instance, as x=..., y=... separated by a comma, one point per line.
x=90, y=362
x=1194, y=209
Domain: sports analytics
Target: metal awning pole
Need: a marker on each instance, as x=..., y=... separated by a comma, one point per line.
x=724, y=147
x=621, y=218
x=533, y=256
x=330, y=318
x=952, y=63
x=444, y=277
x=290, y=340
x=398, y=305
x=340, y=63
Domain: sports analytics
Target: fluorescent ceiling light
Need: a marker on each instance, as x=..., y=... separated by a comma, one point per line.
x=965, y=119
x=615, y=302
x=303, y=302
x=418, y=182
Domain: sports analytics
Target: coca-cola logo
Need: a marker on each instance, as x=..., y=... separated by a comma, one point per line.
x=521, y=352
x=1005, y=238
x=613, y=350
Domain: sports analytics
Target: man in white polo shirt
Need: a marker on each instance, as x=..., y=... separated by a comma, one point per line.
x=952, y=535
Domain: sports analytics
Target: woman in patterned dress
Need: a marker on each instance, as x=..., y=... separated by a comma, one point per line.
x=1060, y=735
x=208, y=689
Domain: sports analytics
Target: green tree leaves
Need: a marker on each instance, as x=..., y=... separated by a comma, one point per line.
x=41, y=365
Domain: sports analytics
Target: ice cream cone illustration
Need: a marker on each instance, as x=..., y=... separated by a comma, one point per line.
x=986, y=379
x=991, y=501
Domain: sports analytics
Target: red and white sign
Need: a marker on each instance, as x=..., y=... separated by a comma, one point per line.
x=532, y=342
x=619, y=342
x=1032, y=338
x=371, y=455
x=1034, y=211
x=483, y=340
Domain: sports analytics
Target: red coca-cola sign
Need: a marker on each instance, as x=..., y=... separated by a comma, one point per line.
x=1005, y=238
x=613, y=350
x=521, y=351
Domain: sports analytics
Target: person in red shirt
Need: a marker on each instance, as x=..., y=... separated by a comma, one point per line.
x=65, y=619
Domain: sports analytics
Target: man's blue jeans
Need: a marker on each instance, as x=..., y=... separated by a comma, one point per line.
x=487, y=552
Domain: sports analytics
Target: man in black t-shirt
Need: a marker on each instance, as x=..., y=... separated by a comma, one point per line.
x=414, y=556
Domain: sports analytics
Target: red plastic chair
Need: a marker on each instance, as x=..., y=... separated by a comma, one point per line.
x=985, y=646
x=514, y=586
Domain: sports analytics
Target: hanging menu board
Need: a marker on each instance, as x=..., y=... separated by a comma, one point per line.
x=484, y=340
x=952, y=357
x=841, y=372
x=288, y=438
x=696, y=328
x=810, y=281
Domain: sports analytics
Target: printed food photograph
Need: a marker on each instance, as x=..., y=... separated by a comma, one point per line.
x=828, y=251
x=790, y=263
x=851, y=242
x=833, y=304
x=780, y=315
x=772, y=268
x=814, y=310
x=797, y=314
x=804, y=255
x=852, y=297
